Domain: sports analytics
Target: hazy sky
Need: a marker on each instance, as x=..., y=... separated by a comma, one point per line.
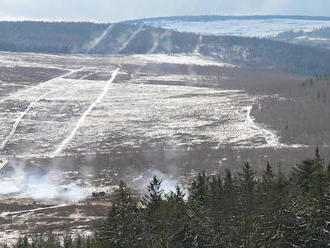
x=116, y=10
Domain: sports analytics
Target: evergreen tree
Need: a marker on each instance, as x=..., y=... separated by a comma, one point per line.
x=303, y=173
x=230, y=211
x=199, y=189
x=247, y=202
x=121, y=227
x=153, y=199
x=153, y=227
x=177, y=232
x=268, y=174
x=319, y=204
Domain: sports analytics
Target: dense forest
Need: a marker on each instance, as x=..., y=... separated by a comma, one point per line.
x=46, y=37
x=120, y=38
x=242, y=210
x=295, y=111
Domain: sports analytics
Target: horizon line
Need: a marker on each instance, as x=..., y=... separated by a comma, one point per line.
x=275, y=16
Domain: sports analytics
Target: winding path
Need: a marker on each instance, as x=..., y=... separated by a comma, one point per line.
x=270, y=137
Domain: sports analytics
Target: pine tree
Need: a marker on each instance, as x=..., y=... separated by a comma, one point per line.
x=121, y=227
x=303, y=173
x=319, y=204
x=230, y=211
x=176, y=219
x=268, y=174
x=153, y=199
x=153, y=226
x=247, y=204
x=274, y=196
x=228, y=182
x=199, y=189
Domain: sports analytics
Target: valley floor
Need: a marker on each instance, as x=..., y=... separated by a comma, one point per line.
x=98, y=120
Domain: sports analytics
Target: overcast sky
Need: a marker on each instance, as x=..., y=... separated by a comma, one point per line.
x=118, y=10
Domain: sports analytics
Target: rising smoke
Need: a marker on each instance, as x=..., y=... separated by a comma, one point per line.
x=168, y=185
x=23, y=183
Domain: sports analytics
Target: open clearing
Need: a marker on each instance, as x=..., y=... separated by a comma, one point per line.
x=98, y=120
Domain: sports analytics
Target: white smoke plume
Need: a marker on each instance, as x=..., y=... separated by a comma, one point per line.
x=21, y=183
x=168, y=185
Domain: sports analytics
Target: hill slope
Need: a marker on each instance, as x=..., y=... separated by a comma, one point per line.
x=305, y=30
x=135, y=39
x=249, y=26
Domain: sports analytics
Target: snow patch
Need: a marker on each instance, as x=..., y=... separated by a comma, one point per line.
x=252, y=28
x=180, y=59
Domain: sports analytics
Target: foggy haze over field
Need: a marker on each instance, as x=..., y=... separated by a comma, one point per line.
x=114, y=10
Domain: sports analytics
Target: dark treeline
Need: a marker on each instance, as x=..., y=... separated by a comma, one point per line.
x=47, y=37
x=274, y=210
x=67, y=38
x=286, y=116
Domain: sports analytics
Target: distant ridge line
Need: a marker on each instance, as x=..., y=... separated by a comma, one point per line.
x=210, y=18
x=197, y=18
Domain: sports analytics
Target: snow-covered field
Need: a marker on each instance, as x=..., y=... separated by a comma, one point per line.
x=73, y=113
x=255, y=28
x=52, y=106
x=181, y=59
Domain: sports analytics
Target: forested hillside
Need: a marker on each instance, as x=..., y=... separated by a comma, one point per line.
x=242, y=210
x=294, y=113
x=46, y=37
x=318, y=38
x=255, y=53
